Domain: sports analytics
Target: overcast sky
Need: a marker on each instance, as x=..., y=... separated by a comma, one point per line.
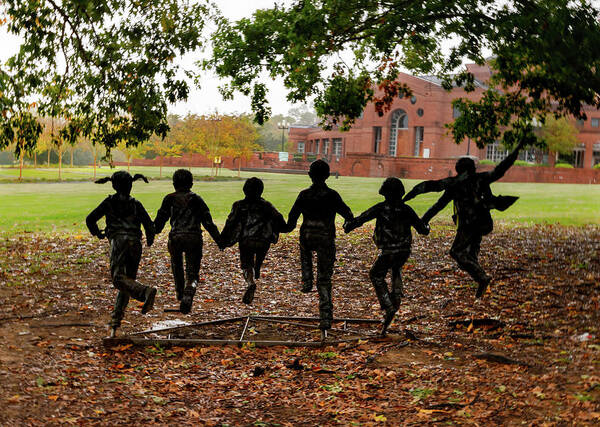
x=207, y=98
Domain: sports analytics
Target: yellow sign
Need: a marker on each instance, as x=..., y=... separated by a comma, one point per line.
x=218, y=160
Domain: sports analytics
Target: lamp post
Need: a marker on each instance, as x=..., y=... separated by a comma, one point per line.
x=215, y=119
x=283, y=125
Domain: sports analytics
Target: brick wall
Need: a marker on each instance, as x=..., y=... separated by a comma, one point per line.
x=373, y=165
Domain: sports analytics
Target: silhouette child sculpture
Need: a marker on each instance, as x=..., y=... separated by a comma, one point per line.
x=318, y=206
x=393, y=237
x=473, y=199
x=187, y=212
x=255, y=224
x=124, y=215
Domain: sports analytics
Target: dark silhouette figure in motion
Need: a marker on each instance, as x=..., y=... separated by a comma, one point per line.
x=473, y=199
x=318, y=206
x=124, y=216
x=187, y=212
x=393, y=237
x=255, y=224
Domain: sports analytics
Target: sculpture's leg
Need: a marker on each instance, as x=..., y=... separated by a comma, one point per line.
x=176, y=253
x=125, y=255
x=193, y=259
x=398, y=262
x=261, y=253
x=325, y=262
x=188, y=298
x=118, y=313
x=306, y=263
x=465, y=251
x=377, y=275
x=247, y=254
x=250, y=286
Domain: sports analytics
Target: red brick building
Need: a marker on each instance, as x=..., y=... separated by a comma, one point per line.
x=414, y=127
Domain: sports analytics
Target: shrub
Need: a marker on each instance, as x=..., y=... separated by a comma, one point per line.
x=524, y=163
x=563, y=165
x=597, y=166
x=486, y=162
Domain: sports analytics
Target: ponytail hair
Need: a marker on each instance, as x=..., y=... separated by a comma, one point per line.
x=121, y=181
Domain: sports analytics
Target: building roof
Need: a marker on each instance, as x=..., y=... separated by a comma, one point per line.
x=438, y=81
x=301, y=126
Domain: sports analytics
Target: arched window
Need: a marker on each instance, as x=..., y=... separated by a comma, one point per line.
x=399, y=122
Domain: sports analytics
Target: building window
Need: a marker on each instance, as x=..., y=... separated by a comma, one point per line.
x=456, y=113
x=420, y=112
x=574, y=158
x=337, y=147
x=316, y=146
x=580, y=122
x=419, y=131
x=595, y=122
x=496, y=152
x=325, y=146
x=301, y=147
x=377, y=139
x=578, y=155
x=413, y=99
x=399, y=121
x=531, y=155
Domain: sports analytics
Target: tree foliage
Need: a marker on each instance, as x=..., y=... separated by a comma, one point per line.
x=212, y=135
x=105, y=66
x=559, y=134
x=546, y=54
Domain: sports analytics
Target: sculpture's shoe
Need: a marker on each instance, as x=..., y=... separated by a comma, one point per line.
x=482, y=288
x=306, y=288
x=249, y=295
x=389, y=317
x=112, y=331
x=149, y=300
x=323, y=334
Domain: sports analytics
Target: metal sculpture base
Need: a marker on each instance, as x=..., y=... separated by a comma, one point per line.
x=256, y=330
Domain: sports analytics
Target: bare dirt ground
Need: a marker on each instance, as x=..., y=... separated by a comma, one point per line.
x=528, y=353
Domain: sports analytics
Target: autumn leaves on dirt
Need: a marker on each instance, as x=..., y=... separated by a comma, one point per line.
x=56, y=293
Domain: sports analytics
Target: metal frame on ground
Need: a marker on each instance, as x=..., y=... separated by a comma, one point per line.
x=142, y=339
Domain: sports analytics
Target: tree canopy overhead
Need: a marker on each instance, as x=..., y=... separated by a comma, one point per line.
x=546, y=54
x=105, y=66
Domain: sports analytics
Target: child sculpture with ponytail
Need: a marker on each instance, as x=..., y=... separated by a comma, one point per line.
x=124, y=218
x=393, y=237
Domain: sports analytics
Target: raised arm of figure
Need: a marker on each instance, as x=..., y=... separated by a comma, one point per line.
x=433, y=186
x=437, y=207
x=504, y=165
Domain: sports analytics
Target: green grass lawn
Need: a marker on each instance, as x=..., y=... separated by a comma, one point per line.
x=63, y=206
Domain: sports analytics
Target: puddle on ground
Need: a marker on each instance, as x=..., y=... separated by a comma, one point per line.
x=169, y=323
